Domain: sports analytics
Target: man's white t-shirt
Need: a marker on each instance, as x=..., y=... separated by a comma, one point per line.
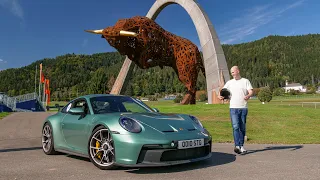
x=238, y=89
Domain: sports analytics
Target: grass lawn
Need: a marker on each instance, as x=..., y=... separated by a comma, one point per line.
x=3, y=114
x=275, y=122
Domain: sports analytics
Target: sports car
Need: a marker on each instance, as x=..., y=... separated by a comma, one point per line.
x=117, y=130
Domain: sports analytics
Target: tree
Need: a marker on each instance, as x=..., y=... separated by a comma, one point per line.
x=278, y=92
x=265, y=94
x=111, y=82
x=129, y=90
x=74, y=91
x=98, y=82
x=137, y=91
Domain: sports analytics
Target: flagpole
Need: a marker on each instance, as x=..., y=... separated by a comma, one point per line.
x=35, y=80
x=40, y=70
x=46, y=92
x=44, y=95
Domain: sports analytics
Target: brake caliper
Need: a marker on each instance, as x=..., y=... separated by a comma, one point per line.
x=98, y=146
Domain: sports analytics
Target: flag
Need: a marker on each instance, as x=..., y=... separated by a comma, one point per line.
x=47, y=90
x=42, y=79
x=48, y=100
x=46, y=86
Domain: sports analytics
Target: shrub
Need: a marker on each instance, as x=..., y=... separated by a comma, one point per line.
x=311, y=90
x=294, y=92
x=265, y=94
x=203, y=97
x=153, y=98
x=178, y=99
x=278, y=92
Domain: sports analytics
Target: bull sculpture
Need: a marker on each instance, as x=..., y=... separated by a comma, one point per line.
x=148, y=45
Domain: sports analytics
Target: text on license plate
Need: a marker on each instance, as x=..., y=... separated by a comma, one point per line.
x=190, y=143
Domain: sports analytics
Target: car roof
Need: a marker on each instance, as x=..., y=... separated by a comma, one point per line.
x=98, y=95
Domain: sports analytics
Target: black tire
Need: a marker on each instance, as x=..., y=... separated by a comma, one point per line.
x=104, y=167
x=49, y=149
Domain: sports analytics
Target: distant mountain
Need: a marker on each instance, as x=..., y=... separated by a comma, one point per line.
x=266, y=62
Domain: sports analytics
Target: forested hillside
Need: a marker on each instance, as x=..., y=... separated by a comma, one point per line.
x=266, y=62
x=272, y=60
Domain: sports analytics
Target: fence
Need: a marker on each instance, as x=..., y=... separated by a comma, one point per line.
x=304, y=96
x=315, y=105
x=11, y=102
x=304, y=104
x=8, y=101
x=26, y=97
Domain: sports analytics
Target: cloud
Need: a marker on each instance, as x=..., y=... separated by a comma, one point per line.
x=2, y=61
x=14, y=7
x=253, y=18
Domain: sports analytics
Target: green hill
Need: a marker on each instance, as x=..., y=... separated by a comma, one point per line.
x=272, y=60
x=266, y=62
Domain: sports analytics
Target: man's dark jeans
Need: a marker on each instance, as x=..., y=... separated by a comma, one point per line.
x=238, y=119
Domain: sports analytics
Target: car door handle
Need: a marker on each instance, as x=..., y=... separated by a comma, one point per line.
x=62, y=124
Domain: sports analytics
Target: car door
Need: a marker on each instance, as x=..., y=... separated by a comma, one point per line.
x=75, y=127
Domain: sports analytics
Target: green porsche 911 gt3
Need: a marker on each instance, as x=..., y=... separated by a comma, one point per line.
x=115, y=130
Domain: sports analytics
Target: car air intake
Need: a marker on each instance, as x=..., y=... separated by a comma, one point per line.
x=168, y=131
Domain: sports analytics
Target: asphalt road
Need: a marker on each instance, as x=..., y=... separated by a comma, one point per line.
x=21, y=157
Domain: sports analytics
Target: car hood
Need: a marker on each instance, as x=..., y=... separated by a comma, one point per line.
x=163, y=122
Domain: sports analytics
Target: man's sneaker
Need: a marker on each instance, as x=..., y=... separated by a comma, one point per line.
x=237, y=150
x=243, y=151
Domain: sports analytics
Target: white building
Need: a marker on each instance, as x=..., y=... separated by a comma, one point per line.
x=295, y=86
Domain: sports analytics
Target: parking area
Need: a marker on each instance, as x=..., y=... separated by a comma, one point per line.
x=21, y=157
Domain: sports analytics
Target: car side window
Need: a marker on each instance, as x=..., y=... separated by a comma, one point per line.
x=105, y=107
x=82, y=104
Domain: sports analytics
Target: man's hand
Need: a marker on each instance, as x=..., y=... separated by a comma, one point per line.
x=246, y=97
x=249, y=95
x=221, y=97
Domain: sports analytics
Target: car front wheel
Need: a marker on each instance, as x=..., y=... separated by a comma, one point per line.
x=101, y=149
x=47, y=140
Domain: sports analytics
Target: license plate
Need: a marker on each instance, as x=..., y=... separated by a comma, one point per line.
x=190, y=143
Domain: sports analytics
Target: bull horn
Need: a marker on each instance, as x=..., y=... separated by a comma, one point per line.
x=95, y=31
x=128, y=33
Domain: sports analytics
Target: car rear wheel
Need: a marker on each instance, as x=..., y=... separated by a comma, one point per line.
x=47, y=140
x=101, y=149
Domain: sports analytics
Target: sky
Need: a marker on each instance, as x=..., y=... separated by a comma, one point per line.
x=31, y=30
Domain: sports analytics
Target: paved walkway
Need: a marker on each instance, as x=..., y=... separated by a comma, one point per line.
x=21, y=157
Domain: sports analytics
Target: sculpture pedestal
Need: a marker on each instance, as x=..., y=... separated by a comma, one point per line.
x=215, y=99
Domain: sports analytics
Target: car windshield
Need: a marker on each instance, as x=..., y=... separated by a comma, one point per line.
x=111, y=104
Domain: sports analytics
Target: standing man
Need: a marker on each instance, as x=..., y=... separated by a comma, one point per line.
x=240, y=91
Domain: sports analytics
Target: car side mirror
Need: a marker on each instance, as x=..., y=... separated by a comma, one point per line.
x=156, y=110
x=76, y=111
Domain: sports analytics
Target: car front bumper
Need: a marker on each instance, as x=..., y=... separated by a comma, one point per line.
x=142, y=152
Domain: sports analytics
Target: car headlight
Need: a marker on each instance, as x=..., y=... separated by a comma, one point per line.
x=196, y=121
x=130, y=125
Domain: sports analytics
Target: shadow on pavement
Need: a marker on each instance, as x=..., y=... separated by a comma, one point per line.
x=19, y=149
x=293, y=148
x=217, y=158
x=77, y=157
